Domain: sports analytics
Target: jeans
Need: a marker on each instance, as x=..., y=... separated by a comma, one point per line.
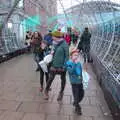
x=51, y=78
x=78, y=93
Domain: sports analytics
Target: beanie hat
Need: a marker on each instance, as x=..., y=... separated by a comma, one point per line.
x=57, y=34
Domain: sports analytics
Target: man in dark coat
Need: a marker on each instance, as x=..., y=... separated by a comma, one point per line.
x=84, y=44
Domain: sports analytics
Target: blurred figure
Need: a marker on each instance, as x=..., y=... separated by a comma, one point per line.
x=74, y=37
x=35, y=42
x=48, y=38
x=28, y=39
x=67, y=38
x=84, y=44
x=43, y=51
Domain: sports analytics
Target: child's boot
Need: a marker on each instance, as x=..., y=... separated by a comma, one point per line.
x=78, y=110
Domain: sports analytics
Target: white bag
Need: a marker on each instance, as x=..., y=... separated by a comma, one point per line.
x=48, y=58
x=43, y=65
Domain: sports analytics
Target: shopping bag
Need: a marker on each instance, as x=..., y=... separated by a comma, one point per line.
x=48, y=58
x=43, y=66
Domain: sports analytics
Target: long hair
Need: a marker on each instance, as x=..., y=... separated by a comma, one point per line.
x=39, y=36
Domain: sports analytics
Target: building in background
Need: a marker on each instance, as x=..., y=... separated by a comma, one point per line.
x=40, y=12
x=29, y=15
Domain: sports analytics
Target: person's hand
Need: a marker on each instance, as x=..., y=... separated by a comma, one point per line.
x=52, y=52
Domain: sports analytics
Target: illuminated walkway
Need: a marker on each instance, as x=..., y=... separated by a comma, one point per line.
x=20, y=98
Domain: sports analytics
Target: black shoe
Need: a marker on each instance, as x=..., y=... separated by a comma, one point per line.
x=73, y=103
x=50, y=89
x=37, y=69
x=60, y=96
x=78, y=110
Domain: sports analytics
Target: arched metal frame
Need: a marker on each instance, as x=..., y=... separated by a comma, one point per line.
x=105, y=34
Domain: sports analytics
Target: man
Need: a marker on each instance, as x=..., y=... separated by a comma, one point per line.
x=84, y=44
x=60, y=56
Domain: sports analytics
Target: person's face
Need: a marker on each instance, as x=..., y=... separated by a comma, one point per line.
x=54, y=38
x=43, y=45
x=36, y=34
x=75, y=56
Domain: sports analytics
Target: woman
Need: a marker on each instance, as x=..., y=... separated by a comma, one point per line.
x=35, y=42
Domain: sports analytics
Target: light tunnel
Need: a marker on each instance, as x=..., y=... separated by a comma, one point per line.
x=103, y=19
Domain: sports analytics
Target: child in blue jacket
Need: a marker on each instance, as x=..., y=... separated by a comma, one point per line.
x=75, y=74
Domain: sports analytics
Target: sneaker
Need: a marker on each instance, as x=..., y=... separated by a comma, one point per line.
x=78, y=110
x=60, y=96
x=46, y=97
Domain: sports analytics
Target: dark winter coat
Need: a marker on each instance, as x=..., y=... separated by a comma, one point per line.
x=61, y=55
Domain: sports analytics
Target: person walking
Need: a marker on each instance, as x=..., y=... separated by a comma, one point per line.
x=75, y=74
x=67, y=38
x=35, y=43
x=84, y=44
x=43, y=51
x=60, y=56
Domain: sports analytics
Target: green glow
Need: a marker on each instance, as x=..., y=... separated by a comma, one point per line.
x=31, y=23
x=55, y=27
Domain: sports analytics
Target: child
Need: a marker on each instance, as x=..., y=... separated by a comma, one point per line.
x=43, y=51
x=75, y=74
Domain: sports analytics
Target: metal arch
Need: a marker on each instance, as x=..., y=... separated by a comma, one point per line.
x=10, y=13
x=103, y=24
x=98, y=25
x=81, y=6
x=67, y=19
x=112, y=39
x=40, y=6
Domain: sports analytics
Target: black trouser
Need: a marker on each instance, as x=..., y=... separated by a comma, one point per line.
x=78, y=93
x=52, y=75
x=86, y=52
x=42, y=77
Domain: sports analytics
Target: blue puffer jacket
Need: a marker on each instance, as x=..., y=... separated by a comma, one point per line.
x=48, y=38
x=75, y=72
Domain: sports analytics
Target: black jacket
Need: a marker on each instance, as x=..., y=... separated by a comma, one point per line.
x=84, y=40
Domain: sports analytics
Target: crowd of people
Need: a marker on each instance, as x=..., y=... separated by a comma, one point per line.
x=56, y=44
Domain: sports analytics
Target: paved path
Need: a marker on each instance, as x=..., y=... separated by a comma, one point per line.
x=20, y=98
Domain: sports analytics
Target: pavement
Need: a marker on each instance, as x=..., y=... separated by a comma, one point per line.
x=20, y=98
